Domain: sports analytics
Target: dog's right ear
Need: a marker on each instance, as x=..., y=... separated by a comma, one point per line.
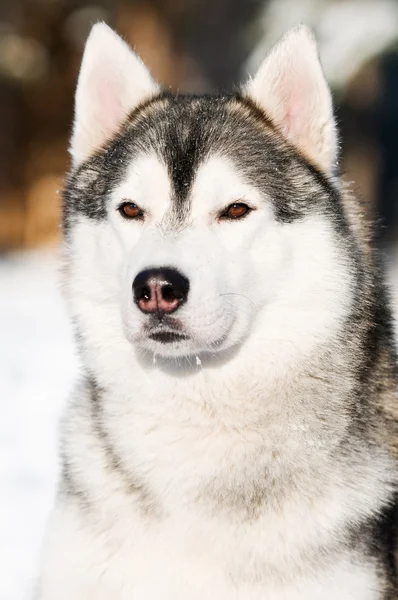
x=113, y=81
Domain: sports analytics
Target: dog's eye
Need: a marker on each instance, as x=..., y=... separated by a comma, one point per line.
x=238, y=210
x=129, y=210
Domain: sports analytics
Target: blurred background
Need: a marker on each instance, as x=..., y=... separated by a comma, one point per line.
x=195, y=45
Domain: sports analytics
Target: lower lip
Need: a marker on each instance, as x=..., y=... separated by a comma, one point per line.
x=167, y=337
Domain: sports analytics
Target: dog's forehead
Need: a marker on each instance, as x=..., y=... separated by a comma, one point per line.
x=195, y=148
x=182, y=135
x=214, y=182
x=173, y=142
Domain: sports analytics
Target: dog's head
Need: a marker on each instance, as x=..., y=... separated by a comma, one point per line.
x=196, y=223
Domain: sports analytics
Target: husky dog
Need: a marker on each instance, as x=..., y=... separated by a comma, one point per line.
x=235, y=433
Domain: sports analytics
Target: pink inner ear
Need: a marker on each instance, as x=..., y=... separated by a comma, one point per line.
x=296, y=97
x=108, y=111
x=292, y=115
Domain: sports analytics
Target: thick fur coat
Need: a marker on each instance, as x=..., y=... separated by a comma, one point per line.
x=234, y=434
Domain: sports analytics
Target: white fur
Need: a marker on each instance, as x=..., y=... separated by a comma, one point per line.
x=159, y=563
x=201, y=420
x=290, y=87
x=112, y=82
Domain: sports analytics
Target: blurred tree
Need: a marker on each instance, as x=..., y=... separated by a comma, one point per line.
x=195, y=46
x=388, y=139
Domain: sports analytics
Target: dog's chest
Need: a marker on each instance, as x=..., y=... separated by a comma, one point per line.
x=187, y=457
x=192, y=507
x=217, y=535
x=206, y=560
x=207, y=520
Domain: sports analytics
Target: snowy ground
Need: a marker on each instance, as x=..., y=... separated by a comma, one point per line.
x=37, y=368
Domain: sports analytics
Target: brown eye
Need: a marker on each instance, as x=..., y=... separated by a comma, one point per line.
x=236, y=211
x=129, y=210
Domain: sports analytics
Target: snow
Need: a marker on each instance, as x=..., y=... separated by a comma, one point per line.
x=38, y=366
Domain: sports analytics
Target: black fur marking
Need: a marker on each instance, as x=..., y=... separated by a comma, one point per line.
x=377, y=538
x=385, y=542
x=182, y=153
x=183, y=131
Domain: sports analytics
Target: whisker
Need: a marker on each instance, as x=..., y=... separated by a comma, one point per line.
x=238, y=294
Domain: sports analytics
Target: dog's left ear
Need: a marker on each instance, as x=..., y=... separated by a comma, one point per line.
x=292, y=91
x=113, y=81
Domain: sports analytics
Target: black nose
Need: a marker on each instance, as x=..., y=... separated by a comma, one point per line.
x=160, y=291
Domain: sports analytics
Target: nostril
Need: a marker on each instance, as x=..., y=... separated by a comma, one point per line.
x=141, y=291
x=169, y=293
x=145, y=293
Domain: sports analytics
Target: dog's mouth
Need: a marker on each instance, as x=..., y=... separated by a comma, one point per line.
x=167, y=337
x=168, y=331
